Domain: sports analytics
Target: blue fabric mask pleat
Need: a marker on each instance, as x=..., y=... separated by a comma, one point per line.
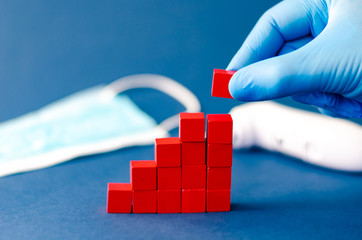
x=87, y=118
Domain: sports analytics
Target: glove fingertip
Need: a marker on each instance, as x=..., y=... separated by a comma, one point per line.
x=242, y=87
x=234, y=87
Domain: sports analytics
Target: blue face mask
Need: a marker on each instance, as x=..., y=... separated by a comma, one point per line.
x=92, y=121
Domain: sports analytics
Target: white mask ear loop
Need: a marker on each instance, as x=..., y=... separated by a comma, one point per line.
x=163, y=84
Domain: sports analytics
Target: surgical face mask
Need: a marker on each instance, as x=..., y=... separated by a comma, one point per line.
x=95, y=120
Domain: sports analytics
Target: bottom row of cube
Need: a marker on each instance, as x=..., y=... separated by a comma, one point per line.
x=120, y=196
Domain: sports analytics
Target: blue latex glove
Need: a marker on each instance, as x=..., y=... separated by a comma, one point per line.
x=308, y=49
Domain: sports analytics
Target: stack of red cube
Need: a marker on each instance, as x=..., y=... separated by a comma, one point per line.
x=182, y=178
x=168, y=159
x=192, y=135
x=219, y=161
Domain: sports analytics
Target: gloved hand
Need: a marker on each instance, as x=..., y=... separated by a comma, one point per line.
x=308, y=49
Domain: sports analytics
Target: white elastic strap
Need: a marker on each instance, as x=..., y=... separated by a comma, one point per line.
x=162, y=84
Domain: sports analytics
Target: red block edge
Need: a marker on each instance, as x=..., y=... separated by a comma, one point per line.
x=119, y=198
x=220, y=83
x=218, y=200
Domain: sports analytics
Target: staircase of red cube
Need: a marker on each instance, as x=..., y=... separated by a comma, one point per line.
x=188, y=175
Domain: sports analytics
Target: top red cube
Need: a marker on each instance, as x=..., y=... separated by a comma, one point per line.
x=168, y=152
x=220, y=83
x=192, y=127
x=219, y=128
x=143, y=175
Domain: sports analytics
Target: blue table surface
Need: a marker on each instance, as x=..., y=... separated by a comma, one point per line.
x=50, y=49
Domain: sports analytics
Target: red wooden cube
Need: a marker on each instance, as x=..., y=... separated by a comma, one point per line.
x=217, y=200
x=219, y=155
x=169, y=178
x=220, y=83
x=192, y=127
x=193, y=153
x=119, y=198
x=194, y=176
x=169, y=201
x=145, y=201
x=143, y=175
x=219, y=128
x=193, y=200
x=218, y=178
x=168, y=152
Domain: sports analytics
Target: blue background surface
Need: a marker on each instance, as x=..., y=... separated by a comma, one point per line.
x=51, y=49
